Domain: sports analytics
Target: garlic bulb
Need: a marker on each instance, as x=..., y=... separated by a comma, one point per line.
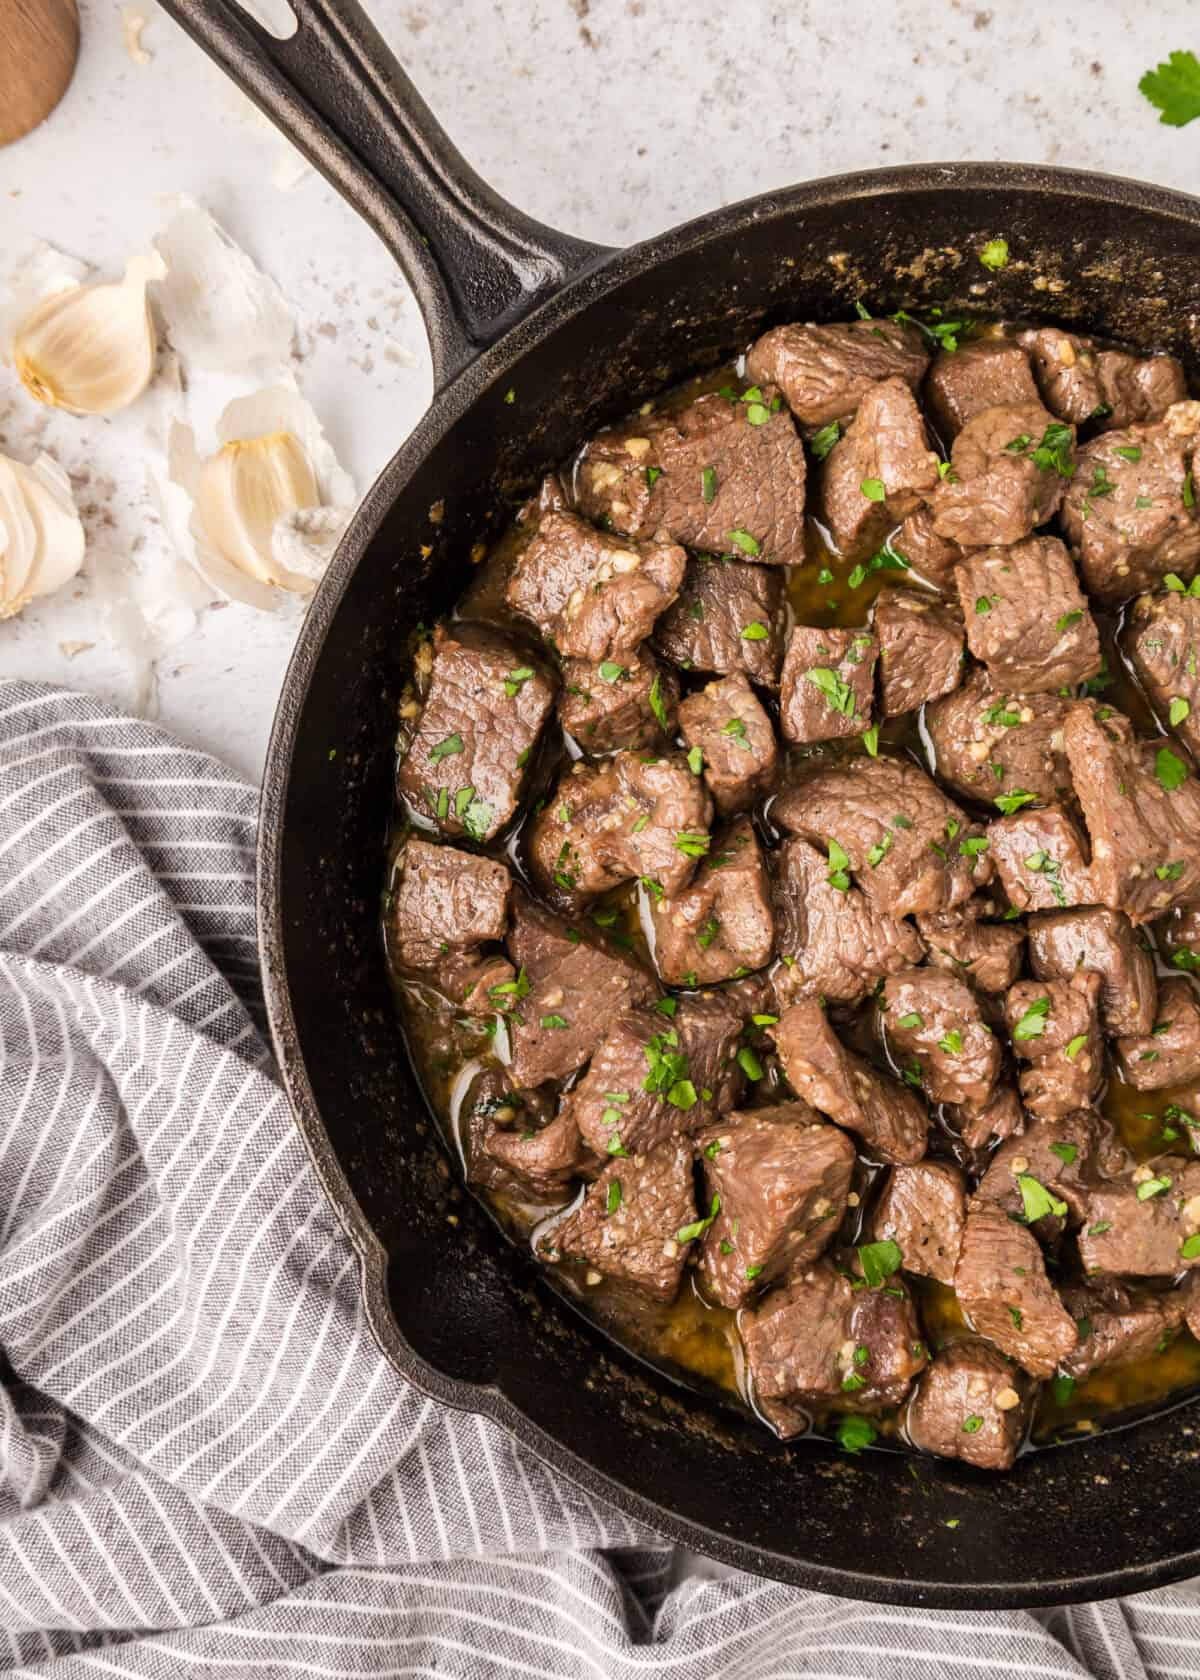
x=243, y=491
x=41, y=534
x=91, y=349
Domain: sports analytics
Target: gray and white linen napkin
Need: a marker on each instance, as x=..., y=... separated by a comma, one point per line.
x=206, y=1468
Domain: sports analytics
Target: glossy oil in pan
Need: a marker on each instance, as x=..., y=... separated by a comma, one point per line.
x=578, y=336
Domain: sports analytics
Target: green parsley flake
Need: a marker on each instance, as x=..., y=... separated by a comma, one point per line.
x=754, y=632
x=879, y=1261
x=743, y=540
x=838, y=694
x=994, y=255
x=708, y=484
x=689, y=1233
x=1038, y=1201
x=873, y=490
x=446, y=748
x=839, y=868
x=1170, y=770
x=614, y=1196
x=514, y=681
x=825, y=439
x=750, y=1064
x=1173, y=88
x=1012, y=802
x=1033, y=1023
x=1070, y=1052
x=854, y=1433
x=656, y=700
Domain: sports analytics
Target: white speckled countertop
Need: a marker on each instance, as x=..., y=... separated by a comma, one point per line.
x=611, y=118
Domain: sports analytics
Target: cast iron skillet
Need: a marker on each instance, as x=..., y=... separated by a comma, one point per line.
x=578, y=335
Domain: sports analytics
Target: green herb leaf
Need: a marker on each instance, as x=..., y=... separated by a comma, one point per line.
x=653, y=474
x=689, y=1233
x=611, y=671
x=825, y=439
x=708, y=484
x=913, y=1019
x=878, y=852
x=692, y=843
x=1190, y=1247
x=1067, y=620
x=952, y=1043
x=1038, y=1200
x=994, y=255
x=870, y=739
x=985, y=603
x=695, y=760
x=743, y=540
x=1072, y=1050
x=1153, y=1187
x=1011, y=802
x=879, y=1261
x=1054, y=451
x=839, y=868
x=750, y=1064
x=656, y=700
x=614, y=1196
x=1170, y=770
x=873, y=490
x=1066, y=1152
x=755, y=632
x=1173, y=89
x=1131, y=453
x=446, y=748
x=854, y=1433
x=973, y=1424
x=555, y=1022
x=1033, y=1023
x=973, y=847
x=838, y=694
x=1063, y=1388
x=477, y=819
x=515, y=679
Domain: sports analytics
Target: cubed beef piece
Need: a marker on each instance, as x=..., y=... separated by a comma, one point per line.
x=781, y=1178
x=1041, y=860
x=1118, y=1323
x=988, y=954
x=825, y=372
x=1164, y=645
x=933, y=557
x=804, y=1345
x=971, y=1404
x=989, y=373
x=1026, y=618
x=828, y=683
x=996, y=491
x=891, y=1119
x=594, y=595
x=1179, y=937
x=878, y=472
x=1102, y=941
x=1062, y=1156
x=1002, y=1118
x=513, y=1142
x=729, y=617
x=933, y=1020
x=920, y=649
x=607, y=823
x=1142, y=809
x=616, y=706
x=1002, y=1286
x=909, y=848
x=1055, y=1027
x=709, y=469
x=992, y=743
x=444, y=900
x=632, y=1223
x=584, y=981
x=1168, y=1052
x=727, y=723
x=921, y=1209
x=1146, y=1223
x=1129, y=512
x=833, y=942
x=720, y=925
x=655, y=1075
x=1079, y=382
x=480, y=707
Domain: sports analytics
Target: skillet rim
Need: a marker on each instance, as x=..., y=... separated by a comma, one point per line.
x=447, y=406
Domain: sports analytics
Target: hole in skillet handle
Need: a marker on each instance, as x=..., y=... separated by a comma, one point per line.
x=275, y=16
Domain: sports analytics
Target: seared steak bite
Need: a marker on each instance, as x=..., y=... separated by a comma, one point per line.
x=1061, y=1157
x=479, y=709
x=1129, y=513
x=1027, y=619
x=920, y=648
x=934, y=1020
x=932, y=556
x=1055, y=1027
x=1062, y=941
x=619, y=705
x=1164, y=645
x=1040, y=859
x=632, y=1222
x=1009, y=467
x=817, y=1339
x=728, y=617
x=607, y=823
x=1001, y=1282
x=779, y=1178
x=824, y=372
x=721, y=924
x=654, y=1075
x=726, y=724
x=878, y=471
x=1118, y=1323
x=985, y=373
x=698, y=475
x=538, y=1162
x=1146, y=1223
x=909, y=848
x=582, y=981
x=889, y=1117
x=1167, y=1052
x=991, y=742
x=828, y=683
x=594, y=595
x=1079, y=382
x=988, y=954
x=921, y=1209
x=971, y=1403
x=1002, y=1118
x=444, y=900
x=1142, y=809
x=832, y=941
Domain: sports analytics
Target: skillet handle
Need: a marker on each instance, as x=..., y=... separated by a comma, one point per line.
x=476, y=264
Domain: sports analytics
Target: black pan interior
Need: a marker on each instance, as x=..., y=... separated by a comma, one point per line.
x=456, y=1306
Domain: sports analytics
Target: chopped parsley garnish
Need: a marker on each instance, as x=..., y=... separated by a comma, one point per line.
x=1173, y=88
x=1131, y=453
x=1189, y=490
x=692, y=843
x=514, y=681
x=1070, y=1052
x=973, y=1424
x=477, y=817
x=1153, y=1187
x=1012, y=802
x=611, y=671
x=1033, y=1023
x=839, y=868
x=1170, y=770
x=1175, y=583
x=1002, y=716
x=668, y=1075
x=1178, y=712
x=446, y=748
x=879, y=1261
x=854, y=1433
x=1066, y=1152
x=613, y=1201
x=1018, y=1320
x=1067, y=620
x=985, y=603
x=1054, y=451
x=994, y=255
x=754, y=632
x=695, y=760
x=870, y=739
x=838, y=694
x=653, y=474
x=743, y=540
x=878, y=852
x=825, y=439
x=1063, y=1388
x=1037, y=1200
x=656, y=700
x=553, y=1022
x=689, y=1233
x=736, y=728
x=952, y=1043
x=973, y=847
x=913, y=1019
x=873, y=490
x=750, y=1064
x=708, y=484
x=1190, y=1247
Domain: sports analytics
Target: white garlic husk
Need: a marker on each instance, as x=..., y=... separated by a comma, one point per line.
x=41, y=533
x=244, y=490
x=91, y=349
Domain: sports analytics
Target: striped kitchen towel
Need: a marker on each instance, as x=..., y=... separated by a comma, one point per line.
x=205, y=1465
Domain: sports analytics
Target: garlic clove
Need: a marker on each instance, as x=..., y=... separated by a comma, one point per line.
x=242, y=492
x=91, y=349
x=41, y=535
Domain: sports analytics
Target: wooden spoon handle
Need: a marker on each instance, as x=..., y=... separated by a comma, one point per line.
x=41, y=44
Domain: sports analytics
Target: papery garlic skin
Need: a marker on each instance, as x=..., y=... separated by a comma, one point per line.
x=244, y=490
x=91, y=349
x=41, y=534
